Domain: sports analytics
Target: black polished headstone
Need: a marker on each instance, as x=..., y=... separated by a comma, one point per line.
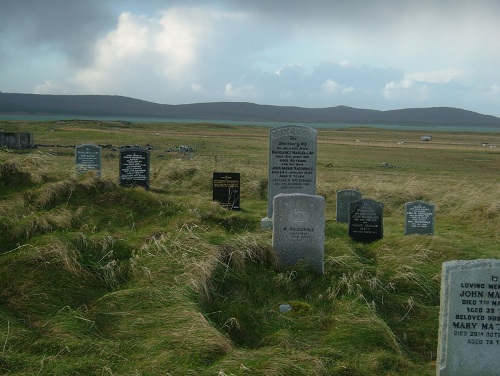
x=366, y=220
x=226, y=189
x=134, y=167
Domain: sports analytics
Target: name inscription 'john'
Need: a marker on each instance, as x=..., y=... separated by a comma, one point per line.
x=479, y=294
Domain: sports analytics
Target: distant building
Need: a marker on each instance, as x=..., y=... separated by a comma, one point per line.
x=426, y=138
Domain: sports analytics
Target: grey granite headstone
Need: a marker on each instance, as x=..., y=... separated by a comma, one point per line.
x=88, y=158
x=419, y=218
x=469, y=319
x=344, y=197
x=366, y=220
x=134, y=167
x=292, y=164
x=299, y=230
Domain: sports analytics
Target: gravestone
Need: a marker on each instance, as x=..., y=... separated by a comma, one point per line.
x=469, y=319
x=299, y=230
x=134, y=167
x=419, y=218
x=88, y=158
x=344, y=197
x=292, y=164
x=366, y=220
x=226, y=189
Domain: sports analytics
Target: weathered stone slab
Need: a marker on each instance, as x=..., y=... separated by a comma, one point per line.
x=88, y=158
x=366, y=220
x=299, y=230
x=469, y=320
x=419, y=218
x=226, y=189
x=292, y=163
x=134, y=167
x=16, y=140
x=344, y=197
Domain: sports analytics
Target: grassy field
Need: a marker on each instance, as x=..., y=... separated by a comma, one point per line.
x=97, y=279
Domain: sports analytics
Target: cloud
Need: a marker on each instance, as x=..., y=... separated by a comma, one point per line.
x=406, y=89
x=147, y=51
x=69, y=26
x=382, y=54
x=49, y=87
x=437, y=77
x=246, y=92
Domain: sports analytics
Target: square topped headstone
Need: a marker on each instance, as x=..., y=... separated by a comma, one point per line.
x=344, y=197
x=419, y=218
x=226, y=189
x=134, y=167
x=292, y=163
x=469, y=319
x=366, y=220
x=299, y=230
x=88, y=158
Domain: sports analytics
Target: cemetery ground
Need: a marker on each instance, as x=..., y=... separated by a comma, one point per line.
x=99, y=279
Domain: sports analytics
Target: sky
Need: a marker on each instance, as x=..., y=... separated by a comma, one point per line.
x=375, y=54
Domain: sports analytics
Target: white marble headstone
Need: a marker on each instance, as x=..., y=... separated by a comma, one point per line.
x=469, y=320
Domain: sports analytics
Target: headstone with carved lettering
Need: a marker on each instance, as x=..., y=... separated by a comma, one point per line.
x=366, y=220
x=344, y=197
x=292, y=164
x=88, y=158
x=299, y=230
x=419, y=218
x=226, y=189
x=469, y=319
x=134, y=167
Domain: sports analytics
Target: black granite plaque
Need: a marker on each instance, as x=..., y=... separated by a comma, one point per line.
x=366, y=220
x=226, y=189
x=88, y=157
x=134, y=167
x=419, y=218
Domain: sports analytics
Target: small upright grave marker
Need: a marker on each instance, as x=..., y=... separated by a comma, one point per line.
x=292, y=163
x=419, y=218
x=88, y=158
x=344, y=197
x=366, y=220
x=226, y=189
x=299, y=230
x=469, y=319
x=134, y=167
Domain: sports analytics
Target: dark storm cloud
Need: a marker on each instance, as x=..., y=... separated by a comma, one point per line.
x=68, y=26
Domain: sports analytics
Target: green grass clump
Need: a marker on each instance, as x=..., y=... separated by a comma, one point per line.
x=99, y=279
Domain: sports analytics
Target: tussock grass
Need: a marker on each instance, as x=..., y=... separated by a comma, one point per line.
x=100, y=279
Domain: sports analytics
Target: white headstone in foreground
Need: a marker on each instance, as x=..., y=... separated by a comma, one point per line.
x=299, y=230
x=469, y=320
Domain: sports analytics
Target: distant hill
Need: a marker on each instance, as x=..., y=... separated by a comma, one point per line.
x=116, y=106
